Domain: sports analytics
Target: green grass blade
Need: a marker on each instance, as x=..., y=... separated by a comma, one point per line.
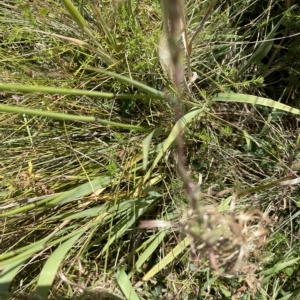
x=63, y=91
x=82, y=190
x=51, y=266
x=62, y=198
x=146, y=145
x=105, y=28
x=125, y=285
x=67, y=117
x=134, y=213
x=294, y=295
x=77, y=17
x=264, y=47
x=225, y=204
x=90, y=212
x=156, y=241
x=38, y=246
x=254, y=100
x=9, y=272
x=140, y=86
x=180, y=124
x=262, y=50
x=107, y=210
x=98, y=51
x=286, y=297
x=26, y=251
x=168, y=258
x=278, y=267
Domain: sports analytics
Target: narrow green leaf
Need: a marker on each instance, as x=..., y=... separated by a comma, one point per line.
x=82, y=190
x=224, y=290
x=254, y=100
x=77, y=17
x=225, y=204
x=168, y=258
x=106, y=209
x=104, y=25
x=134, y=213
x=38, y=246
x=12, y=88
x=51, y=266
x=278, y=267
x=61, y=198
x=180, y=125
x=142, y=87
x=125, y=285
x=54, y=90
x=294, y=295
x=286, y=297
x=265, y=46
x=146, y=145
x=66, y=117
x=99, y=50
x=26, y=251
x=90, y=212
x=9, y=272
x=156, y=241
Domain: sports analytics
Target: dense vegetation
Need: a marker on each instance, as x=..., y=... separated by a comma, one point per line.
x=149, y=150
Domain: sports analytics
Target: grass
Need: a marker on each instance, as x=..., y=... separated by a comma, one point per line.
x=103, y=196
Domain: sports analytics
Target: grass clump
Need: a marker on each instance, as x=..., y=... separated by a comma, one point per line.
x=147, y=152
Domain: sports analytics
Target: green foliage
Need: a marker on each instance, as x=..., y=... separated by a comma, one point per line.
x=89, y=150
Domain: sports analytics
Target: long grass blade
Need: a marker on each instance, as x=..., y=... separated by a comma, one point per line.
x=264, y=47
x=146, y=145
x=27, y=251
x=134, y=213
x=278, y=267
x=38, y=246
x=155, y=242
x=77, y=17
x=125, y=285
x=180, y=125
x=168, y=258
x=67, y=117
x=9, y=272
x=99, y=51
x=104, y=26
x=142, y=87
x=62, y=198
x=63, y=91
x=51, y=266
x=81, y=191
x=254, y=100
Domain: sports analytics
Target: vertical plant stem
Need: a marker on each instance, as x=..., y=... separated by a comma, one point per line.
x=172, y=14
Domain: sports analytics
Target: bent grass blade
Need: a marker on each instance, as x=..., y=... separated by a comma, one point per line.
x=254, y=100
x=146, y=145
x=140, y=86
x=9, y=272
x=264, y=47
x=125, y=285
x=67, y=117
x=62, y=198
x=168, y=258
x=276, y=268
x=180, y=125
x=155, y=242
x=51, y=266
